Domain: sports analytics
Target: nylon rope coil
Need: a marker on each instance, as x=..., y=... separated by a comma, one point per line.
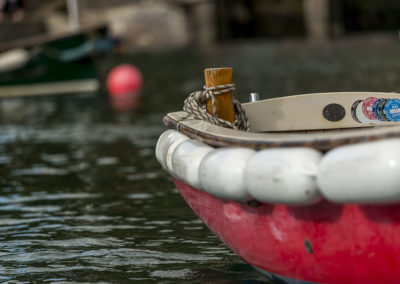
x=195, y=105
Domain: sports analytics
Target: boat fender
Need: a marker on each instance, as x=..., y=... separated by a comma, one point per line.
x=284, y=175
x=221, y=173
x=186, y=161
x=166, y=145
x=362, y=173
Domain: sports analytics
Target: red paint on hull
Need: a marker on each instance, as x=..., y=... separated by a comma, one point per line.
x=325, y=243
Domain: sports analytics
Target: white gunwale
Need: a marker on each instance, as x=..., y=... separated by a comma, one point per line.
x=322, y=140
x=305, y=112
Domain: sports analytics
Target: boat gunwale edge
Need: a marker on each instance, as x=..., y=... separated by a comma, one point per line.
x=218, y=136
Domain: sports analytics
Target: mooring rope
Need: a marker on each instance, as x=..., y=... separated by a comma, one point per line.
x=195, y=105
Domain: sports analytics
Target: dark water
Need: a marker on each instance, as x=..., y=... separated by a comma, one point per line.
x=82, y=198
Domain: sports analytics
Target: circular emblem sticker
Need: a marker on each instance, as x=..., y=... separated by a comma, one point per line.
x=354, y=110
x=375, y=109
x=367, y=107
x=361, y=117
x=334, y=112
x=392, y=110
x=381, y=110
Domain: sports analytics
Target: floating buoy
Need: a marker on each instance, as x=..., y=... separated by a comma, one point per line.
x=124, y=83
x=124, y=79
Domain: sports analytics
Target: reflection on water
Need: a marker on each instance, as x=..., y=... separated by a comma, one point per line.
x=82, y=198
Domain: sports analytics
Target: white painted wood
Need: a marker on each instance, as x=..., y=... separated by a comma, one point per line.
x=284, y=176
x=186, y=161
x=222, y=173
x=166, y=144
x=362, y=173
x=54, y=88
x=304, y=112
x=231, y=136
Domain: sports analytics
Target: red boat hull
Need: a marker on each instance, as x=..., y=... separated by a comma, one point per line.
x=325, y=243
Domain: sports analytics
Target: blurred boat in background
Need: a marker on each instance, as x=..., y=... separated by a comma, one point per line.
x=54, y=64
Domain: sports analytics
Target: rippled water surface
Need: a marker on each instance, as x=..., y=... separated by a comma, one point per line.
x=82, y=198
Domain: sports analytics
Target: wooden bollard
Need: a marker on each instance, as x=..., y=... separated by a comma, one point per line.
x=223, y=103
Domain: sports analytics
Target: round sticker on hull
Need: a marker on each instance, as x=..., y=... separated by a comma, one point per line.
x=354, y=110
x=392, y=110
x=361, y=117
x=334, y=112
x=367, y=107
x=375, y=109
x=381, y=110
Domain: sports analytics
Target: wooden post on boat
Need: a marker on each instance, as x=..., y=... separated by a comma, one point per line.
x=223, y=103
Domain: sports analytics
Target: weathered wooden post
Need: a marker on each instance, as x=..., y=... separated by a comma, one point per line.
x=316, y=16
x=223, y=103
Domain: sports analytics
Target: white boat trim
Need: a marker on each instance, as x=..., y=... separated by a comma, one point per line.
x=53, y=88
x=218, y=136
x=313, y=111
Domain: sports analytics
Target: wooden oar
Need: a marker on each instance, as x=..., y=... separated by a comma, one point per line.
x=321, y=111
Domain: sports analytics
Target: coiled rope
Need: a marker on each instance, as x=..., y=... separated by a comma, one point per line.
x=195, y=105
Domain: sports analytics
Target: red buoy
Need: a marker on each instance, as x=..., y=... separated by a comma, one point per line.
x=124, y=83
x=124, y=79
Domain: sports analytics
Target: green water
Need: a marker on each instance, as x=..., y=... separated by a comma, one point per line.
x=82, y=198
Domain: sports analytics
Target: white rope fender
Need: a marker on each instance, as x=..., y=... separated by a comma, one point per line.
x=365, y=173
